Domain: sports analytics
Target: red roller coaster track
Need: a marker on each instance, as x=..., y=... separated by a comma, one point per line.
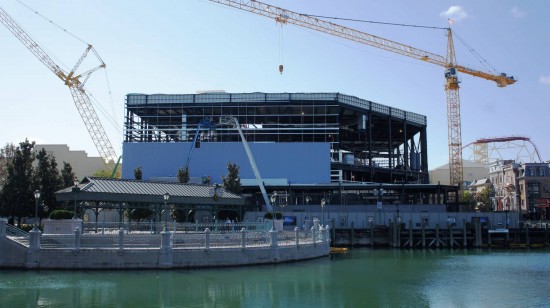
x=504, y=140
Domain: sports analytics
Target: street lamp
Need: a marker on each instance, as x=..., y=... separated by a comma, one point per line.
x=166, y=196
x=273, y=198
x=379, y=193
x=36, y=199
x=75, y=190
x=323, y=201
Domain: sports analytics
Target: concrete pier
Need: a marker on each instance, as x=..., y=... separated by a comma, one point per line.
x=160, y=251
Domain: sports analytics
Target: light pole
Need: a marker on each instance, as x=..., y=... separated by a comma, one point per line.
x=323, y=201
x=166, y=196
x=379, y=192
x=273, y=199
x=75, y=191
x=36, y=199
x=308, y=210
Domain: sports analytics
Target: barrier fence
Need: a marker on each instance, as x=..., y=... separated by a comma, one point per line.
x=187, y=227
x=206, y=239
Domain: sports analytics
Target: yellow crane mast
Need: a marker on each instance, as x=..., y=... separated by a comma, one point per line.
x=284, y=16
x=76, y=86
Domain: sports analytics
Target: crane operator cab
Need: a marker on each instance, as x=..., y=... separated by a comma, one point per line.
x=450, y=72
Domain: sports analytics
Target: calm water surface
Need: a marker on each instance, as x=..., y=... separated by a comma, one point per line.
x=360, y=278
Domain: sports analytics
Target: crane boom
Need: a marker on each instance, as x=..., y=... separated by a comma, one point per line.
x=233, y=121
x=284, y=16
x=80, y=97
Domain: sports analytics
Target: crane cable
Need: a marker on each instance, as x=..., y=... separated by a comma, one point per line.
x=281, y=51
x=52, y=22
x=481, y=60
x=374, y=22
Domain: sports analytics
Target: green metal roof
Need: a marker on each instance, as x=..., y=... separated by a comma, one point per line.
x=122, y=190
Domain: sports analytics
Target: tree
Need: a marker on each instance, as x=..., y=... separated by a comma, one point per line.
x=183, y=175
x=17, y=197
x=232, y=182
x=67, y=175
x=102, y=173
x=467, y=201
x=47, y=181
x=138, y=174
x=483, y=199
x=6, y=156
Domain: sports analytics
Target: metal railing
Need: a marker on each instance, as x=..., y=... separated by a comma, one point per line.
x=186, y=227
x=18, y=235
x=202, y=240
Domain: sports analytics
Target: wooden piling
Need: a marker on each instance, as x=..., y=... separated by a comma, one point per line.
x=526, y=234
x=437, y=235
x=423, y=235
x=546, y=234
x=464, y=234
x=451, y=236
x=372, y=235
x=398, y=233
x=477, y=230
x=410, y=234
x=352, y=234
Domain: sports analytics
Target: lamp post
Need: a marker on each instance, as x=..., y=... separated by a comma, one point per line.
x=75, y=190
x=273, y=199
x=166, y=196
x=36, y=199
x=379, y=192
x=323, y=201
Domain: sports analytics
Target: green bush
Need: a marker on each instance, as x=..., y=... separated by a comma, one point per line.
x=26, y=227
x=61, y=214
x=269, y=215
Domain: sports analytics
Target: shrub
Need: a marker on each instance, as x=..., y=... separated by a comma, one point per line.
x=61, y=214
x=26, y=227
x=269, y=215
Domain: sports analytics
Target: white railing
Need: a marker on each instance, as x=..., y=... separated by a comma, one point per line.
x=180, y=240
x=187, y=227
x=18, y=235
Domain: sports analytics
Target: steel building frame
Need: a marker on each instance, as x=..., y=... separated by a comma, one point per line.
x=369, y=142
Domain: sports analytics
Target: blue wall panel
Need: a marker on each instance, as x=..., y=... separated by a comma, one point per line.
x=303, y=163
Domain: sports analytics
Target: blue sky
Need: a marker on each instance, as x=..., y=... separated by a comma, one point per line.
x=190, y=45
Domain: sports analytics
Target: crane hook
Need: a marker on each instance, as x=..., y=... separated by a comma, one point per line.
x=281, y=69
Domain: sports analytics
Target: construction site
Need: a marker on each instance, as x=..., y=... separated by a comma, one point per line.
x=294, y=150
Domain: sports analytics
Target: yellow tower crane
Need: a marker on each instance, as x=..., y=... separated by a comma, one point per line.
x=76, y=86
x=449, y=63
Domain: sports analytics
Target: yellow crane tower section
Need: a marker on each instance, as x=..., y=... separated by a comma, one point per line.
x=449, y=63
x=76, y=86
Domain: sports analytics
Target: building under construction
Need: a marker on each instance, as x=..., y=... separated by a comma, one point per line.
x=308, y=141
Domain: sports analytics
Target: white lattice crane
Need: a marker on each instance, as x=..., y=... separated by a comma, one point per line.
x=449, y=63
x=75, y=82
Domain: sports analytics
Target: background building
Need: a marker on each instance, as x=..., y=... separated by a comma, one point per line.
x=82, y=164
x=471, y=171
x=534, y=189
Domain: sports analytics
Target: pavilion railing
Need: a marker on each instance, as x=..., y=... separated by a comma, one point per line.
x=186, y=227
x=181, y=240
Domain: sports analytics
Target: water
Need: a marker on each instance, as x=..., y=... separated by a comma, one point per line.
x=360, y=278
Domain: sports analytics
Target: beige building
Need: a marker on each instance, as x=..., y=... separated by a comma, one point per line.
x=471, y=172
x=504, y=177
x=83, y=165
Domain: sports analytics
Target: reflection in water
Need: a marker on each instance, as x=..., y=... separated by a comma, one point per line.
x=362, y=277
